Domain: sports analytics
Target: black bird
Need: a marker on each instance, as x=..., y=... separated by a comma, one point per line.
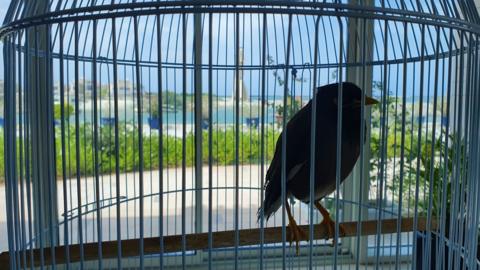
x=298, y=153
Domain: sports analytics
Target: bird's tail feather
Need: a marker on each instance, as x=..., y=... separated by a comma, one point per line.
x=273, y=186
x=271, y=202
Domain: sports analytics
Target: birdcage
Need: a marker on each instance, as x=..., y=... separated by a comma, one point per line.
x=138, y=134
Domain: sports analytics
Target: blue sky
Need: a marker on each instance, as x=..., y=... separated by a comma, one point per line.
x=225, y=81
x=3, y=8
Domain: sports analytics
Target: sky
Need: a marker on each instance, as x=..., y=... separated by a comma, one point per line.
x=3, y=8
x=223, y=33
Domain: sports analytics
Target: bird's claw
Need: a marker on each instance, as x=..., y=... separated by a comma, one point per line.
x=296, y=234
x=330, y=224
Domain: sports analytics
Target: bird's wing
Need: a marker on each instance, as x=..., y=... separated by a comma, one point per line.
x=298, y=145
x=298, y=138
x=293, y=171
x=297, y=158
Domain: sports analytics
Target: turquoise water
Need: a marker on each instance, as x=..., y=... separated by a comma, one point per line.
x=225, y=115
x=222, y=116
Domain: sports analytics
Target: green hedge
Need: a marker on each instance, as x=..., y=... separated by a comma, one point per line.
x=223, y=150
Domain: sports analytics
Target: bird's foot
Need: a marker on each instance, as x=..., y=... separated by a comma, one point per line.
x=330, y=224
x=296, y=234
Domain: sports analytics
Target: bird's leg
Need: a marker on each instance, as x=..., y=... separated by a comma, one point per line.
x=296, y=234
x=329, y=222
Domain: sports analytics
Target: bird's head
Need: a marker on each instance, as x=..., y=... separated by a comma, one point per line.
x=351, y=98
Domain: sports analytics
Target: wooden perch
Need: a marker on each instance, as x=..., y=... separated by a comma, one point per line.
x=173, y=243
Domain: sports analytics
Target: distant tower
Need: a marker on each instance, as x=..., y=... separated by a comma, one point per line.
x=243, y=89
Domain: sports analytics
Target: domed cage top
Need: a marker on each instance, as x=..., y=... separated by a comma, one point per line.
x=139, y=134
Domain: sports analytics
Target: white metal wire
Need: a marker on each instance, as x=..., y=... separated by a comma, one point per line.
x=143, y=120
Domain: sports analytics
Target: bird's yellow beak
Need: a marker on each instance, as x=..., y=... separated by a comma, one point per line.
x=370, y=101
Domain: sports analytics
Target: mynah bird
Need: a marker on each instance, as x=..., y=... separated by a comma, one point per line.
x=298, y=154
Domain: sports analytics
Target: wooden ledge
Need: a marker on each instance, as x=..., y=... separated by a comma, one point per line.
x=173, y=243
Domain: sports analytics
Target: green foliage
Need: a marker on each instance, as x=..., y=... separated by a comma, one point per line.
x=57, y=110
x=170, y=101
x=394, y=146
x=436, y=169
x=430, y=162
x=223, y=150
x=293, y=106
x=104, y=92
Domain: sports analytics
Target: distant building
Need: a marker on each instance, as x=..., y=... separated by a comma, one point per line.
x=125, y=88
x=85, y=85
x=243, y=94
x=68, y=92
x=85, y=88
